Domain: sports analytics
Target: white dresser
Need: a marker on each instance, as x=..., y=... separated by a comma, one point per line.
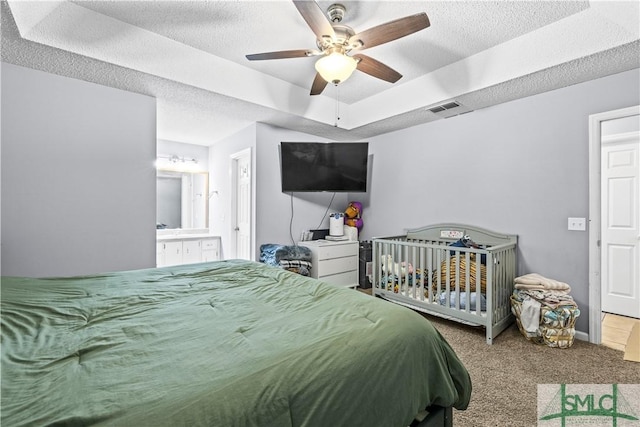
x=334, y=261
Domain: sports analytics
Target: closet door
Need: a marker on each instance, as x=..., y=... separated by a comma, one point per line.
x=620, y=225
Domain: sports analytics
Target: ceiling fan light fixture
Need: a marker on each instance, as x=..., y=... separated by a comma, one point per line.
x=336, y=67
x=335, y=40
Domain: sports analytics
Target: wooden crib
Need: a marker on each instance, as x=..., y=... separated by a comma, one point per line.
x=472, y=285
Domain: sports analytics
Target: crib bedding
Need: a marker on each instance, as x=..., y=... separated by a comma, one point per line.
x=229, y=343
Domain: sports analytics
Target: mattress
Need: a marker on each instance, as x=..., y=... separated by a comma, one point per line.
x=228, y=343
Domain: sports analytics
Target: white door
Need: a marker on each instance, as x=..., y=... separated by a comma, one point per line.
x=242, y=228
x=620, y=218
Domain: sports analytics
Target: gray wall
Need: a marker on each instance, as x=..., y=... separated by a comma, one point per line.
x=272, y=208
x=78, y=184
x=281, y=219
x=521, y=167
x=78, y=181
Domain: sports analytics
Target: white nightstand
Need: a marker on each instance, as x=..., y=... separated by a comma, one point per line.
x=334, y=261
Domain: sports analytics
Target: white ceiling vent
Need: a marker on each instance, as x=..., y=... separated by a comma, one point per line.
x=449, y=109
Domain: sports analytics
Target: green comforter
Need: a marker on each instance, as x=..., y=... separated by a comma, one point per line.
x=230, y=343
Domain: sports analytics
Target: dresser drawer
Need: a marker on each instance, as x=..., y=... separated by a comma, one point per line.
x=334, y=262
x=337, y=265
x=349, y=278
x=337, y=251
x=209, y=244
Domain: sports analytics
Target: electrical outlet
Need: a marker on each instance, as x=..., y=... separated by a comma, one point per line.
x=577, y=224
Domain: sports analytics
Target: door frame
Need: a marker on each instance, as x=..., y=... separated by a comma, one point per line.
x=595, y=177
x=233, y=158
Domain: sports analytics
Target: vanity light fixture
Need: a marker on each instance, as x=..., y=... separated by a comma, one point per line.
x=176, y=159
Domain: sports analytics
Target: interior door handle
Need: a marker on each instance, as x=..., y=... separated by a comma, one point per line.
x=237, y=229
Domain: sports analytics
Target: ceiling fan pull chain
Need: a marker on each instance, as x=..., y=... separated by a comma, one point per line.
x=337, y=106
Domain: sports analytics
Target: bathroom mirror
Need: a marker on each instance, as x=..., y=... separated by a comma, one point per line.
x=182, y=200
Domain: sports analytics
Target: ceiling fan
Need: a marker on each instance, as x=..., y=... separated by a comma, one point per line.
x=336, y=41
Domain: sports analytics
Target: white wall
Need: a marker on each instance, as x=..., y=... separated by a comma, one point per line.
x=166, y=148
x=620, y=126
x=220, y=209
x=521, y=167
x=78, y=180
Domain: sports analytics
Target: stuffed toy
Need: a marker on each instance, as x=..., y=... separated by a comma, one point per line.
x=389, y=266
x=353, y=215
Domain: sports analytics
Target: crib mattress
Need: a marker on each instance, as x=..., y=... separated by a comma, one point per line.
x=229, y=343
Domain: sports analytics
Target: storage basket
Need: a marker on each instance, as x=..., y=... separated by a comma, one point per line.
x=516, y=309
x=557, y=325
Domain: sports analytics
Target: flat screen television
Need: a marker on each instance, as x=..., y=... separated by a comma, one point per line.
x=324, y=166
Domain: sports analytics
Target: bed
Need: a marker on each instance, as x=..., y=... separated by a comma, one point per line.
x=227, y=343
x=457, y=271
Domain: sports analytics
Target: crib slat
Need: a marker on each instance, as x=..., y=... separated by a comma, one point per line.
x=491, y=303
x=430, y=274
x=457, y=281
x=467, y=282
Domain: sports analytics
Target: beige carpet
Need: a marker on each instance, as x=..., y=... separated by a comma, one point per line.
x=505, y=375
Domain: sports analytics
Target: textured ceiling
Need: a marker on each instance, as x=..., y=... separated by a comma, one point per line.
x=190, y=55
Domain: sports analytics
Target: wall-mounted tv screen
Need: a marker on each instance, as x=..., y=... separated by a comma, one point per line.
x=324, y=166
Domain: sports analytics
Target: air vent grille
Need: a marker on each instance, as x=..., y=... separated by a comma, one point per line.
x=450, y=105
x=449, y=109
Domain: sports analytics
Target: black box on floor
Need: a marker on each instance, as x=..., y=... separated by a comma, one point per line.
x=365, y=264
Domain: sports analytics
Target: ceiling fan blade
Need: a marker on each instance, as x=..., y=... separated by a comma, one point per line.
x=316, y=19
x=283, y=54
x=318, y=85
x=390, y=31
x=377, y=69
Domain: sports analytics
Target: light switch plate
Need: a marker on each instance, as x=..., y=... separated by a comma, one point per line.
x=577, y=224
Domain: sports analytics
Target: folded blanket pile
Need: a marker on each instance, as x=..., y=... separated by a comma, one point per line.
x=537, y=282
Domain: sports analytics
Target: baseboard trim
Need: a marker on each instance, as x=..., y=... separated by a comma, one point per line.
x=582, y=336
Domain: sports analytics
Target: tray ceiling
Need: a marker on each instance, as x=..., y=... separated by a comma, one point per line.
x=190, y=55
